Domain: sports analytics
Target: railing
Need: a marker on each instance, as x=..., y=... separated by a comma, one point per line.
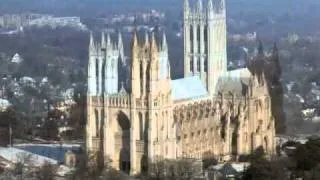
x=119, y=101
x=97, y=100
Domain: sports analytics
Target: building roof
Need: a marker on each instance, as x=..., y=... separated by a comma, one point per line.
x=188, y=88
x=234, y=81
x=4, y=103
x=51, y=151
x=16, y=58
x=230, y=169
x=238, y=73
x=13, y=154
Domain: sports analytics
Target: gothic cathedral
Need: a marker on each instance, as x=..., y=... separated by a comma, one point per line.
x=146, y=115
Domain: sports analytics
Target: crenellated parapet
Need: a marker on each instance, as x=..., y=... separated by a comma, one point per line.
x=199, y=13
x=119, y=101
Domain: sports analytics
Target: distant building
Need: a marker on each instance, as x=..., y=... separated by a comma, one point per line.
x=27, y=81
x=55, y=22
x=227, y=171
x=66, y=102
x=16, y=59
x=4, y=104
x=293, y=38
x=249, y=37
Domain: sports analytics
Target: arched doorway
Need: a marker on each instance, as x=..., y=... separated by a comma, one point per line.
x=125, y=160
x=144, y=164
x=123, y=141
x=265, y=145
x=234, y=143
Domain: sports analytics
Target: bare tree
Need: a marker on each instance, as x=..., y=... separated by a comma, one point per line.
x=22, y=166
x=46, y=172
x=89, y=169
x=162, y=169
x=157, y=169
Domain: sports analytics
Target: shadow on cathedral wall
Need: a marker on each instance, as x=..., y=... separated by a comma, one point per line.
x=270, y=64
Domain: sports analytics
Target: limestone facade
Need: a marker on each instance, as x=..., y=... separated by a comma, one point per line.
x=150, y=116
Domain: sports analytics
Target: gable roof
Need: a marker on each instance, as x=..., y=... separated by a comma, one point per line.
x=188, y=88
x=235, y=81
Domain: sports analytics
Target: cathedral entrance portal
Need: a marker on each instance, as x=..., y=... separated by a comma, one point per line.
x=125, y=160
x=234, y=143
x=123, y=142
x=265, y=145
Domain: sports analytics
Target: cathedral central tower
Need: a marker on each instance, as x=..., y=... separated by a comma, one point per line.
x=205, y=41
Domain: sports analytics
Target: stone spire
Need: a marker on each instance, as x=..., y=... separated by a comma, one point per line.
x=164, y=43
x=260, y=48
x=146, y=39
x=154, y=47
x=222, y=5
x=218, y=6
x=186, y=6
x=120, y=48
x=210, y=5
x=122, y=89
x=92, y=86
x=92, y=47
x=275, y=49
x=103, y=41
x=275, y=60
x=120, y=42
x=199, y=6
x=135, y=45
x=164, y=59
x=135, y=69
x=154, y=65
x=108, y=40
x=115, y=46
x=210, y=9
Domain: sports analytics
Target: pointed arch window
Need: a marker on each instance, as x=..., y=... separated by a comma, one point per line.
x=198, y=65
x=141, y=78
x=96, y=116
x=191, y=39
x=103, y=75
x=198, y=38
x=146, y=127
x=191, y=64
x=206, y=39
x=205, y=64
x=141, y=134
x=97, y=74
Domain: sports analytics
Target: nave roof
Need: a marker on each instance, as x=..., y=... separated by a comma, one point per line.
x=188, y=88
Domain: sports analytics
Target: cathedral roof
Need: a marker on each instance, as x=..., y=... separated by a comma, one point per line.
x=237, y=73
x=235, y=81
x=188, y=88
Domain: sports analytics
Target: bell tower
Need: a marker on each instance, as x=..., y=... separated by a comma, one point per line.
x=205, y=41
